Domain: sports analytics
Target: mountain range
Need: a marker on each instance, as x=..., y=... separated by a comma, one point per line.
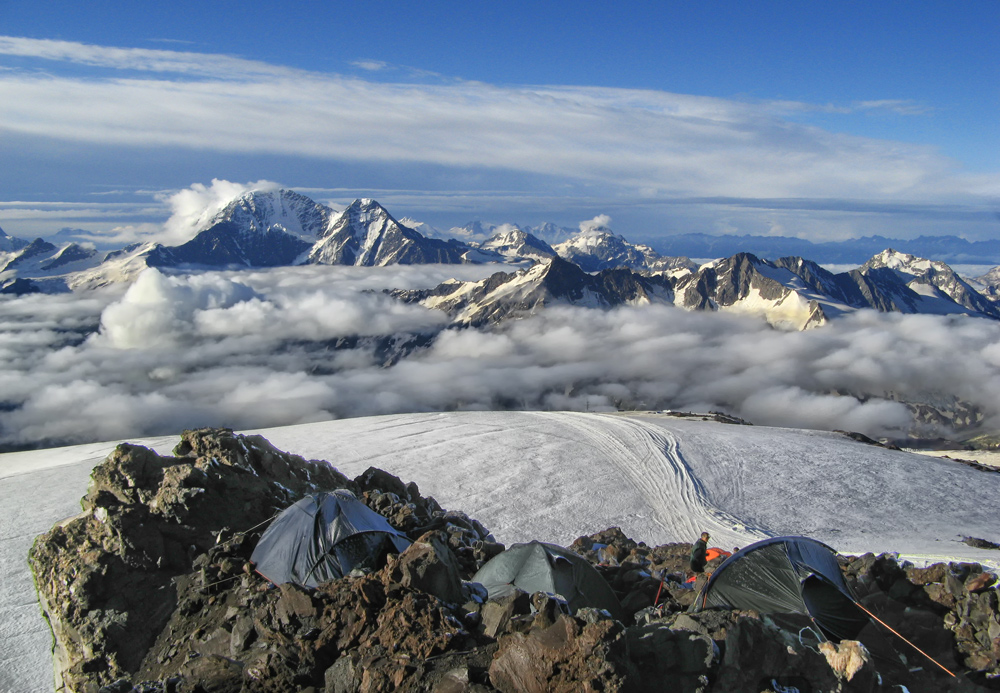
x=595, y=267
x=791, y=293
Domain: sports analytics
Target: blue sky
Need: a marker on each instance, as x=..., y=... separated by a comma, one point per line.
x=824, y=120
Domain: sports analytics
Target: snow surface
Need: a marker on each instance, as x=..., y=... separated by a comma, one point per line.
x=555, y=476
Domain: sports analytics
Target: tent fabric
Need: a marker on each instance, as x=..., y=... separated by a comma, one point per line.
x=786, y=575
x=322, y=537
x=713, y=552
x=540, y=567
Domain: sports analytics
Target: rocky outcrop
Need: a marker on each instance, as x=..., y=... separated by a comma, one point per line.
x=104, y=577
x=151, y=589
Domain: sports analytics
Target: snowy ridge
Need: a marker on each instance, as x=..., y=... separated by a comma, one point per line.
x=598, y=248
x=550, y=282
x=258, y=212
x=516, y=244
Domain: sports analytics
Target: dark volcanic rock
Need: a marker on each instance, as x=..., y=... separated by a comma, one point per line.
x=566, y=655
x=104, y=577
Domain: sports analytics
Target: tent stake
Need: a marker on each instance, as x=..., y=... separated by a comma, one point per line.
x=902, y=638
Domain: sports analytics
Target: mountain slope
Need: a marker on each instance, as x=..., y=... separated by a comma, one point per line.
x=550, y=282
x=516, y=244
x=10, y=244
x=257, y=229
x=791, y=293
x=365, y=234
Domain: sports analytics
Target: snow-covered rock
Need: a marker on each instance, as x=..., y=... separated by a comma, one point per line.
x=365, y=234
x=516, y=244
x=551, y=282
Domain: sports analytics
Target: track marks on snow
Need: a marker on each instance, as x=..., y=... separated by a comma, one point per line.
x=649, y=458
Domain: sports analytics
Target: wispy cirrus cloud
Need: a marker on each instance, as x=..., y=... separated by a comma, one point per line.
x=371, y=65
x=627, y=145
x=671, y=143
x=142, y=59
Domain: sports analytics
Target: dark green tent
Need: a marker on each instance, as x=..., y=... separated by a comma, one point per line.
x=787, y=575
x=322, y=537
x=538, y=567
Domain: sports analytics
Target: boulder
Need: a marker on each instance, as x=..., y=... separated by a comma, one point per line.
x=671, y=660
x=758, y=657
x=566, y=656
x=430, y=566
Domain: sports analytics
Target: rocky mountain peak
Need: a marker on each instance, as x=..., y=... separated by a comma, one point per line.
x=261, y=211
x=10, y=244
x=512, y=242
x=903, y=263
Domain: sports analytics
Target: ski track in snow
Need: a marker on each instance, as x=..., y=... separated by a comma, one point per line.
x=649, y=458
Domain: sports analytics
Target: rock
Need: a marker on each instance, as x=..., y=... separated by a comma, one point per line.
x=849, y=660
x=214, y=674
x=927, y=576
x=757, y=657
x=671, y=660
x=497, y=613
x=980, y=543
x=429, y=565
x=980, y=583
x=154, y=573
x=343, y=676
x=565, y=656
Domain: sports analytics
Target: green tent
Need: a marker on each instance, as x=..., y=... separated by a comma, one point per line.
x=539, y=567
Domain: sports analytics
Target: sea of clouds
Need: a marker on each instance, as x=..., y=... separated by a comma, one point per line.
x=265, y=348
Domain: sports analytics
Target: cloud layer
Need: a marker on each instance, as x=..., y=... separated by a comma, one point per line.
x=278, y=347
x=650, y=143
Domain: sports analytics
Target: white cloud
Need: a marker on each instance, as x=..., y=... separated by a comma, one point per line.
x=276, y=347
x=371, y=65
x=600, y=221
x=199, y=64
x=194, y=208
x=619, y=140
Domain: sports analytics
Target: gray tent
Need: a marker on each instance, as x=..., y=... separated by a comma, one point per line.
x=322, y=537
x=538, y=567
x=790, y=575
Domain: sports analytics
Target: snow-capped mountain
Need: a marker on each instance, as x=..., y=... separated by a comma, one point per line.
x=285, y=210
x=31, y=256
x=599, y=248
x=934, y=282
x=551, y=233
x=478, y=232
x=365, y=234
x=270, y=229
x=257, y=229
x=10, y=244
x=791, y=293
x=989, y=284
x=42, y=266
x=551, y=282
x=516, y=244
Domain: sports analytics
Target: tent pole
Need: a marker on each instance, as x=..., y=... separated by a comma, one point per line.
x=902, y=638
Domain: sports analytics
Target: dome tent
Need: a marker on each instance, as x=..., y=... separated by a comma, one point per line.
x=539, y=567
x=794, y=575
x=322, y=537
